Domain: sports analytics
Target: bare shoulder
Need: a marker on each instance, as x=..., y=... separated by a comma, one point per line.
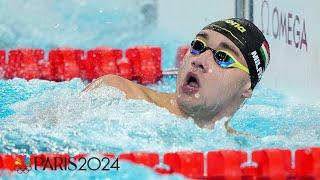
x=130, y=88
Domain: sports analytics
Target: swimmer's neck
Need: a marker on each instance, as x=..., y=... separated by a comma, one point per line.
x=169, y=101
x=208, y=120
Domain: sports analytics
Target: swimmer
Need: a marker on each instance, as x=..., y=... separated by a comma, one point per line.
x=219, y=72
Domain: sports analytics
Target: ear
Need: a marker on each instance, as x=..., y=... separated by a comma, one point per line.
x=247, y=93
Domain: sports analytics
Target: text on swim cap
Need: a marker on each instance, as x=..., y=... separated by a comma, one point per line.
x=256, y=59
x=236, y=25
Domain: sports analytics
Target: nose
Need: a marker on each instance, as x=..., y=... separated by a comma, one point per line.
x=200, y=63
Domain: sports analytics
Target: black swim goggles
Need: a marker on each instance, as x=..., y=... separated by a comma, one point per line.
x=223, y=58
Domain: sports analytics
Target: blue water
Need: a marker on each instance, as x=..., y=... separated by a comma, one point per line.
x=42, y=116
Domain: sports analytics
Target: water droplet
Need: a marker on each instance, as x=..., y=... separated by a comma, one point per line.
x=171, y=101
x=197, y=95
x=56, y=25
x=100, y=11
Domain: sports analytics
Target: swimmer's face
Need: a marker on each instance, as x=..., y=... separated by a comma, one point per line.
x=203, y=86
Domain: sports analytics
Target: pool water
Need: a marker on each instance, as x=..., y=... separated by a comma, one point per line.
x=43, y=116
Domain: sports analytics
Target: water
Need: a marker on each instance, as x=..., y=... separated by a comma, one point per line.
x=46, y=116
x=42, y=116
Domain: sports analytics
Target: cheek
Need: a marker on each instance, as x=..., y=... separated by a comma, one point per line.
x=211, y=87
x=186, y=61
x=235, y=81
x=180, y=76
x=184, y=67
x=217, y=86
x=231, y=86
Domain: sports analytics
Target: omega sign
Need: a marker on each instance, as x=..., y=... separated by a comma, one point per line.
x=284, y=26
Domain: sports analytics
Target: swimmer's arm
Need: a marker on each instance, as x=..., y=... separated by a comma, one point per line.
x=230, y=129
x=237, y=133
x=131, y=89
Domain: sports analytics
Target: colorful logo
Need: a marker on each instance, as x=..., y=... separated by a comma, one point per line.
x=265, y=52
x=21, y=167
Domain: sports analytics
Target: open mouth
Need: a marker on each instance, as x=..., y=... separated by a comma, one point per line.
x=192, y=83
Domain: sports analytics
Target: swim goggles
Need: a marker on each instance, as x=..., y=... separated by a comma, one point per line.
x=223, y=58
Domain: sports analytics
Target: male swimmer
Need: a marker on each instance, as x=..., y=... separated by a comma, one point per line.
x=224, y=64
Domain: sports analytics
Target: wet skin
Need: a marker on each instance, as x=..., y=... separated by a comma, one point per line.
x=205, y=91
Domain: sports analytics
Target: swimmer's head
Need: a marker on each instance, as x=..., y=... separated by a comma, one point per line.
x=224, y=64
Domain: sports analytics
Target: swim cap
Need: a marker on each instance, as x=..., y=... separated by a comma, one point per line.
x=251, y=42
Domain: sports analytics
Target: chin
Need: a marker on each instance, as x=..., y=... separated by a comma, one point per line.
x=189, y=103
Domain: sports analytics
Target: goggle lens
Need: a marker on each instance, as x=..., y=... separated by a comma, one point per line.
x=223, y=59
x=197, y=47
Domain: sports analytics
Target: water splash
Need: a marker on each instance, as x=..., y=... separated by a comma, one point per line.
x=103, y=120
x=55, y=117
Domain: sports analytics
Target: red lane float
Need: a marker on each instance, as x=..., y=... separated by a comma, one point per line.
x=249, y=172
x=224, y=164
x=2, y=63
x=141, y=63
x=102, y=61
x=23, y=63
x=125, y=68
x=2, y=58
x=190, y=164
x=181, y=52
x=273, y=163
x=65, y=63
x=109, y=155
x=307, y=162
x=10, y=162
x=146, y=159
x=46, y=70
x=146, y=63
x=12, y=66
